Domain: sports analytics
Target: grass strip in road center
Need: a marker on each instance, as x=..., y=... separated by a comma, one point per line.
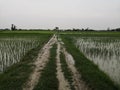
x=66, y=71
x=48, y=79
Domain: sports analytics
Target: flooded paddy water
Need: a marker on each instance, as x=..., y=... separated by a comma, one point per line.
x=13, y=49
x=104, y=52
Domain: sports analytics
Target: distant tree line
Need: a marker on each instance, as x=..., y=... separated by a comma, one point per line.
x=14, y=28
x=87, y=29
x=117, y=29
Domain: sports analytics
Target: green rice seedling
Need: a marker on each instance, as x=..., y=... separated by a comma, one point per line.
x=12, y=49
x=104, y=52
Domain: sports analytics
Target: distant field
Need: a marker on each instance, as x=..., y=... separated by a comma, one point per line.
x=92, y=33
x=77, y=33
x=25, y=31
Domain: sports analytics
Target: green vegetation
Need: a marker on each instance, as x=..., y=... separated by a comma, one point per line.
x=92, y=33
x=66, y=71
x=13, y=48
x=104, y=52
x=16, y=75
x=93, y=76
x=48, y=79
x=29, y=31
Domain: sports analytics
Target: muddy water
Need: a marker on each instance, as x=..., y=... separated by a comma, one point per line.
x=103, y=51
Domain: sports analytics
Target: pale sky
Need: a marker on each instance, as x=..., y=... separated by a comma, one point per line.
x=47, y=14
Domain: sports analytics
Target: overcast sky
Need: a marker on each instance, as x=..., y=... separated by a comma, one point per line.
x=96, y=14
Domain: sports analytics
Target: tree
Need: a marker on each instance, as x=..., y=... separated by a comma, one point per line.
x=56, y=28
x=13, y=27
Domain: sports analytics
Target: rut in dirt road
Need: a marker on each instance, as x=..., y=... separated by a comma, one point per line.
x=39, y=64
x=63, y=84
x=78, y=83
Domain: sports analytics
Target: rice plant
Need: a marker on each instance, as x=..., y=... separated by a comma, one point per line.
x=103, y=51
x=13, y=49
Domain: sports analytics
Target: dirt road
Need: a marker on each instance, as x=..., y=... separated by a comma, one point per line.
x=43, y=58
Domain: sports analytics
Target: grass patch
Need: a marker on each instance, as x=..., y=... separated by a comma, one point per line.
x=48, y=79
x=66, y=71
x=92, y=33
x=95, y=78
x=16, y=75
x=31, y=31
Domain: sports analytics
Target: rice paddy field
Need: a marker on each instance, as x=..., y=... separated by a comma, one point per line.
x=101, y=48
x=104, y=52
x=14, y=46
x=66, y=60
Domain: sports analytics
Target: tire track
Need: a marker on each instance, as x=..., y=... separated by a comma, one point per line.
x=63, y=84
x=78, y=83
x=39, y=64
